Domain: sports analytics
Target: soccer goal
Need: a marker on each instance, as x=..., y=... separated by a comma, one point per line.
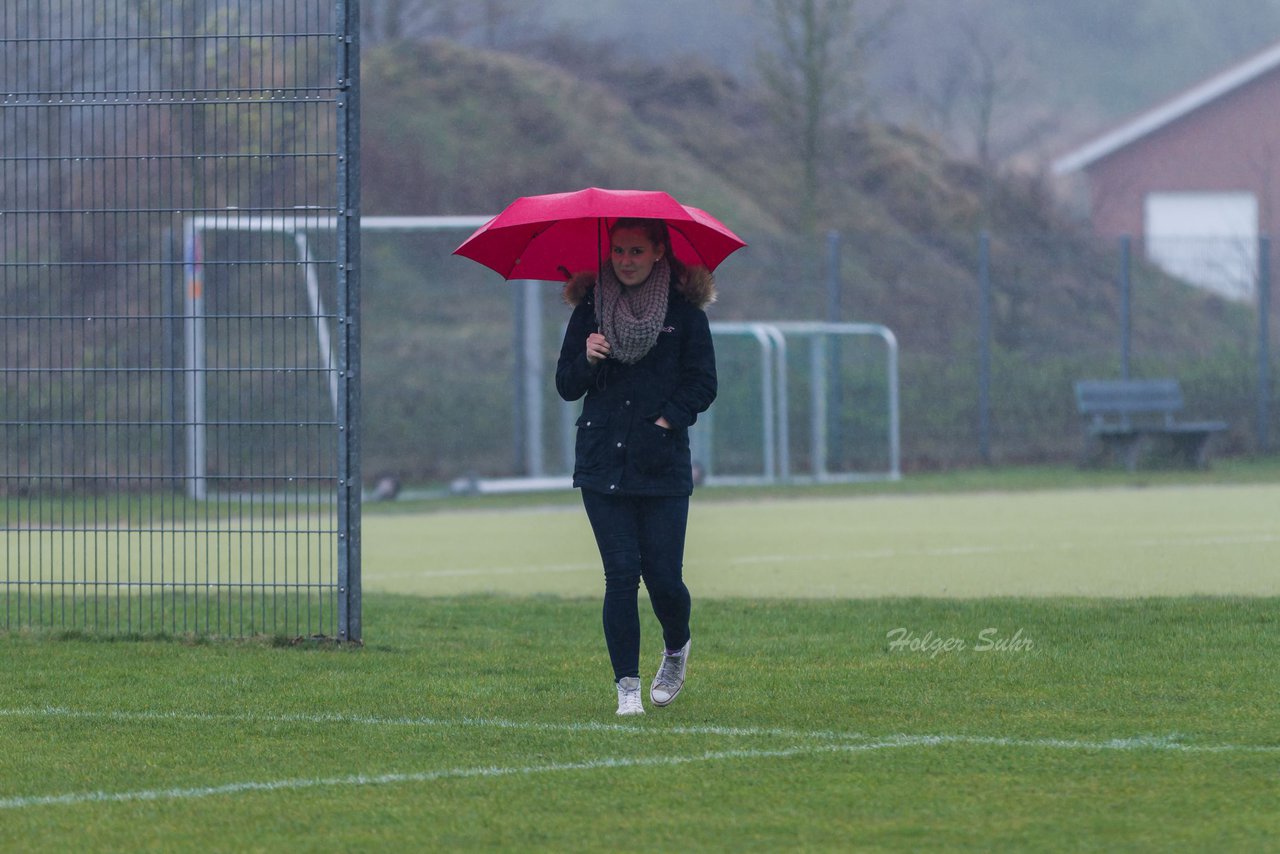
x=761, y=430
x=274, y=333
x=798, y=401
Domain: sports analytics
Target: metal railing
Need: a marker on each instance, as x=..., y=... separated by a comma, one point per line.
x=775, y=410
x=774, y=413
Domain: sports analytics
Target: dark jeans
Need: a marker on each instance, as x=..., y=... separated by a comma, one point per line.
x=640, y=537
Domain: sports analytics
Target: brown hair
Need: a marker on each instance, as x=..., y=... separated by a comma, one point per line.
x=659, y=235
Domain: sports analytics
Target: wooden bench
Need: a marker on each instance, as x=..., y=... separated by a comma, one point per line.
x=1122, y=413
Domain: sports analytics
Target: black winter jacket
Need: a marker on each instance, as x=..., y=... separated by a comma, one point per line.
x=620, y=450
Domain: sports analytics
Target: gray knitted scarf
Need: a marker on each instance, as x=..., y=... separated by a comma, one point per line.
x=631, y=317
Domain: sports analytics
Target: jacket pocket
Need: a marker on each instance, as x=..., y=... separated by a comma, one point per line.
x=592, y=439
x=655, y=450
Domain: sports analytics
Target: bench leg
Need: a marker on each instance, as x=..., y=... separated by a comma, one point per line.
x=1096, y=454
x=1190, y=449
x=1196, y=447
x=1102, y=450
x=1129, y=454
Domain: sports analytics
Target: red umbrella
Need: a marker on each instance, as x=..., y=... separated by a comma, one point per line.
x=551, y=236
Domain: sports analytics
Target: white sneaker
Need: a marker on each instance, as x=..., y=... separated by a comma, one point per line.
x=629, y=696
x=670, y=679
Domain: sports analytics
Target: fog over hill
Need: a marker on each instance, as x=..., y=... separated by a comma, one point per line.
x=1063, y=70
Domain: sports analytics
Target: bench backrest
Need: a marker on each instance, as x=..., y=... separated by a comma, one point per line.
x=1125, y=398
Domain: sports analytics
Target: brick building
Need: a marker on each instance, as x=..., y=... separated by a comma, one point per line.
x=1196, y=179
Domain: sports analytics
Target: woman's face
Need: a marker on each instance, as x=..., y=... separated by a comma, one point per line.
x=633, y=255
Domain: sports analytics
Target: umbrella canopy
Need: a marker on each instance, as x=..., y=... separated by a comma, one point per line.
x=551, y=236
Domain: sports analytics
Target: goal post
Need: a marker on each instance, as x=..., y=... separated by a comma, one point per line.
x=746, y=439
x=295, y=230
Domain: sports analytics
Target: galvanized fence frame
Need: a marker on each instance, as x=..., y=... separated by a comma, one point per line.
x=122, y=122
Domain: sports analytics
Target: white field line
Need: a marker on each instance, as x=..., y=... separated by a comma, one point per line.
x=849, y=743
x=425, y=723
x=354, y=780
x=1157, y=742
x=358, y=780
x=496, y=570
x=967, y=550
x=959, y=550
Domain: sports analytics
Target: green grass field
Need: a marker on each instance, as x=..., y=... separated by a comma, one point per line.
x=1029, y=669
x=1215, y=539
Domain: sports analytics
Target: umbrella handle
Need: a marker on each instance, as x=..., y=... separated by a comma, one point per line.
x=595, y=310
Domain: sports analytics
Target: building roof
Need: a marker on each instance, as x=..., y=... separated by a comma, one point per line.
x=1170, y=111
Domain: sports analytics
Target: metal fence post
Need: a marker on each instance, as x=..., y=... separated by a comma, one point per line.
x=835, y=392
x=984, y=347
x=530, y=377
x=833, y=277
x=350, y=616
x=818, y=414
x=1126, y=323
x=519, y=455
x=1264, y=345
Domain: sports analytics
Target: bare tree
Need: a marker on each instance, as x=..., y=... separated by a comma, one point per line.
x=813, y=75
x=1002, y=115
x=810, y=76
x=981, y=91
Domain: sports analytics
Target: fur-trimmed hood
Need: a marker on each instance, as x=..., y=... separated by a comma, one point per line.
x=698, y=287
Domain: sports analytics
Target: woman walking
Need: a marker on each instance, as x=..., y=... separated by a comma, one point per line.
x=638, y=345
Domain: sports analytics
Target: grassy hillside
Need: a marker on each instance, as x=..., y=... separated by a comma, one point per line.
x=453, y=130
x=1093, y=61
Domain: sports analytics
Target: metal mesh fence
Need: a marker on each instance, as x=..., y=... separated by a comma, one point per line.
x=176, y=400
x=459, y=377
x=445, y=396
x=1194, y=310
x=993, y=341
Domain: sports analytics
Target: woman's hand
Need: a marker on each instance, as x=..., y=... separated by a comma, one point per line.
x=597, y=348
x=663, y=423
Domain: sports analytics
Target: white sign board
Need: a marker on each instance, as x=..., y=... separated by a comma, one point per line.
x=1208, y=239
